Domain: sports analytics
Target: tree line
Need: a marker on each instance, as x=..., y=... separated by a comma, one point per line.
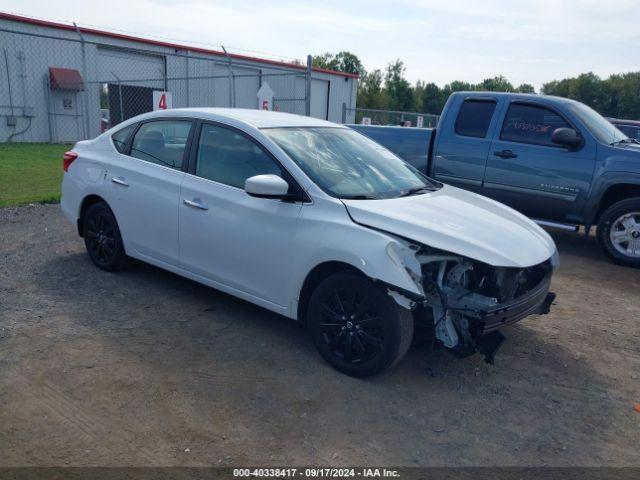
x=617, y=96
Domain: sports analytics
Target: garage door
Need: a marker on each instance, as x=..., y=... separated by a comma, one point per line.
x=320, y=98
x=131, y=68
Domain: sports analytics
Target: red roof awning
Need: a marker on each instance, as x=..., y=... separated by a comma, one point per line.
x=65, y=79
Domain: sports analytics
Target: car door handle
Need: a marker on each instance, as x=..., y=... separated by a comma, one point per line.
x=195, y=204
x=505, y=154
x=119, y=181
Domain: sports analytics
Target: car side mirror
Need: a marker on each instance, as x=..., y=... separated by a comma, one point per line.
x=567, y=137
x=267, y=186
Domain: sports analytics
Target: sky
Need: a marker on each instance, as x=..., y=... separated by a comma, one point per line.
x=439, y=41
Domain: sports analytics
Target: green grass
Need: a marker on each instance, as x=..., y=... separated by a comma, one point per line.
x=30, y=173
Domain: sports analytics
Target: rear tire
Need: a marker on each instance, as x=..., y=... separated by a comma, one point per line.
x=356, y=326
x=102, y=238
x=619, y=232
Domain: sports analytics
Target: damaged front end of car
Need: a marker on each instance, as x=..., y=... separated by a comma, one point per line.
x=465, y=302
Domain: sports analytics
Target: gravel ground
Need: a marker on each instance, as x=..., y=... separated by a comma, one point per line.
x=143, y=367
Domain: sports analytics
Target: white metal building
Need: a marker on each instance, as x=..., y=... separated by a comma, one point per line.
x=61, y=83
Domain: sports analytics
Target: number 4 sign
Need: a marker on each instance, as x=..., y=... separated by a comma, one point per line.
x=162, y=100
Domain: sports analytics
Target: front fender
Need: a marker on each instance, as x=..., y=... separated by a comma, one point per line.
x=380, y=256
x=603, y=183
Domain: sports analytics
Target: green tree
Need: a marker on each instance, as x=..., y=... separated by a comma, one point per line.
x=432, y=99
x=525, y=88
x=398, y=88
x=342, y=62
x=370, y=91
x=495, y=84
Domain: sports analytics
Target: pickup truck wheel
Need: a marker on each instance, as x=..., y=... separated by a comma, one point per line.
x=102, y=238
x=619, y=232
x=356, y=326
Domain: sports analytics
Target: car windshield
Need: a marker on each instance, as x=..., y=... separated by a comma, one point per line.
x=601, y=128
x=347, y=164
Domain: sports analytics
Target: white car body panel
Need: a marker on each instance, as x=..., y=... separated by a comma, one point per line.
x=246, y=254
x=145, y=206
x=262, y=250
x=461, y=222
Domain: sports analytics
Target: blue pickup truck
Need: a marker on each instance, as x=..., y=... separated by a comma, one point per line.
x=555, y=160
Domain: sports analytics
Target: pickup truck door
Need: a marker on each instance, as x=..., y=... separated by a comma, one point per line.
x=463, y=142
x=528, y=172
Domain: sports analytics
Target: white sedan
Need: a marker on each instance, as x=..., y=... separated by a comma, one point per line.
x=311, y=220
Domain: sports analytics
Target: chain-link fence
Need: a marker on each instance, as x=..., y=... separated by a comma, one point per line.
x=69, y=85
x=369, y=116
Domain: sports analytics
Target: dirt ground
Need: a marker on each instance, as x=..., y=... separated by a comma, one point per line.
x=143, y=367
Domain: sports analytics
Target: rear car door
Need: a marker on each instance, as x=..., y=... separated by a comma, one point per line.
x=463, y=142
x=530, y=173
x=227, y=236
x=145, y=178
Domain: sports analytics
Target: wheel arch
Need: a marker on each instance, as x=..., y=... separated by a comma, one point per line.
x=87, y=201
x=614, y=194
x=316, y=275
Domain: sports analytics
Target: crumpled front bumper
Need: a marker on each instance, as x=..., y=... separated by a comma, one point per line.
x=535, y=302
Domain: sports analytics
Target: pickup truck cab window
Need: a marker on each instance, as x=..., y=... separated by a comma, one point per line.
x=162, y=142
x=228, y=157
x=474, y=118
x=526, y=123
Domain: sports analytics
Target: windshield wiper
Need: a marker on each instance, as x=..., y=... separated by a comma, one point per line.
x=416, y=190
x=359, y=197
x=624, y=140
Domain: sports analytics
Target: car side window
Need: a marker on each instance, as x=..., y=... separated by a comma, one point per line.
x=474, y=118
x=228, y=157
x=531, y=124
x=162, y=142
x=120, y=138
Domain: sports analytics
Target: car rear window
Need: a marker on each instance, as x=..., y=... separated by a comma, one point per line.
x=162, y=142
x=474, y=118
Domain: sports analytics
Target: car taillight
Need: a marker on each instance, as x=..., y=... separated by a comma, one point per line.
x=68, y=159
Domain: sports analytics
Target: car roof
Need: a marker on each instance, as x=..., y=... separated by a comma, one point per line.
x=254, y=117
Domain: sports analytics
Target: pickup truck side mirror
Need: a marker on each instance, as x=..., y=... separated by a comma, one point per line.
x=567, y=137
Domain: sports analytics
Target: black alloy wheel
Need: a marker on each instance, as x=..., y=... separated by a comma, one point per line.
x=102, y=237
x=357, y=327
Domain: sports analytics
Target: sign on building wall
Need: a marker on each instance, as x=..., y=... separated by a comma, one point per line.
x=162, y=100
x=265, y=97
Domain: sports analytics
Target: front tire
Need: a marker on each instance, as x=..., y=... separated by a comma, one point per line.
x=356, y=326
x=619, y=232
x=102, y=238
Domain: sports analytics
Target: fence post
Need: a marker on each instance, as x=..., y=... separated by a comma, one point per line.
x=307, y=93
x=119, y=100
x=232, y=83
x=187, y=80
x=344, y=112
x=87, y=123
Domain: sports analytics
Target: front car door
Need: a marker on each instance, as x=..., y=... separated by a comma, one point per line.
x=530, y=173
x=460, y=158
x=145, y=178
x=235, y=241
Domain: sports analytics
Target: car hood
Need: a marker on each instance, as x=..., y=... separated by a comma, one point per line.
x=632, y=148
x=460, y=222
